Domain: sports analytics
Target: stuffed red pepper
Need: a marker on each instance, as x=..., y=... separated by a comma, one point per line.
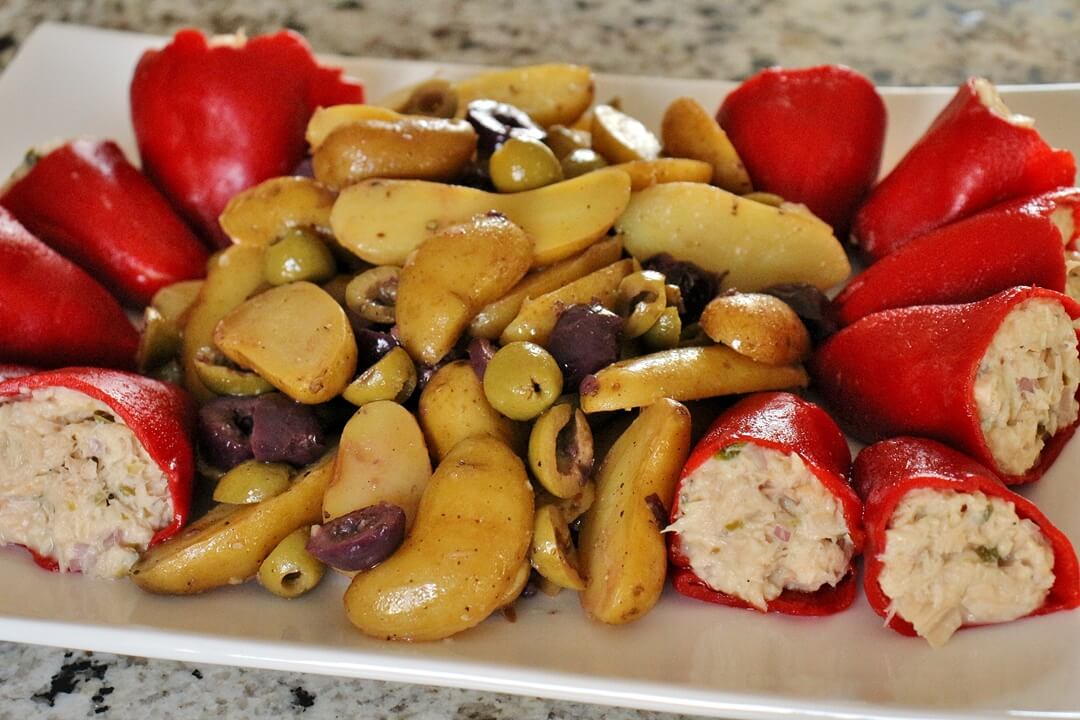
x=996, y=379
x=96, y=466
x=948, y=546
x=764, y=517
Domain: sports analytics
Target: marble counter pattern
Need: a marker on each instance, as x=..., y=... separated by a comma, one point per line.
x=893, y=42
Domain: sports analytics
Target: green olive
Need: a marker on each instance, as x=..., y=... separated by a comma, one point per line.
x=299, y=255
x=373, y=294
x=522, y=380
x=251, y=482
x=290, y=570
x=223, y=378
x=665, y=332
x=159, y=342
x=642, y=298
x=169, y=372
x=435, y=98
x=523, y=164
x=561, y=450
x=393, y=377
x=582, y=161
x=563, y=140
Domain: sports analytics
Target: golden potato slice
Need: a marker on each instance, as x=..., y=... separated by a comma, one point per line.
x=382, y=458
x=409, y=147
x=453, y=407
x=689, y=373
x=262, y=214
x=452, y=276
x=689, y=131
x=296, y=336
x=495, y=316
x=227, y=545
x=554, y=94
x=621, y=138
x=623, y=555
x=326, y=120
x=382, y=221
x=392, y=377
x=761, y=327
x=755, y=244
x=537, y=317
x=553, y=553
x=646, y=173
x=464, y=554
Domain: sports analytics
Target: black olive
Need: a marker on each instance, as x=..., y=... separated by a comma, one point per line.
x=697, y=285
x=497, y=122
x=585, y=339
x=811, y=305
x=371, y=345
x=480, y=350
x=361, y=539
x=286, y=431
x=224, y=431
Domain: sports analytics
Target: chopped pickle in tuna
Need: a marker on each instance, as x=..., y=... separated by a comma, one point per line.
x=955, y=559
x=754, y=521
x=76, y=485
x=1026, y=384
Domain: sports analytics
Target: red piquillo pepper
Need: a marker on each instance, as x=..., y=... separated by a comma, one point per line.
x=161, y=416
x=887, y=471
x=811, y=135
x=94, y=207
x=913, y=371
x=963, y=262
x=974, y=155
x=790, y=425
x=214, y=117
x=51, y=312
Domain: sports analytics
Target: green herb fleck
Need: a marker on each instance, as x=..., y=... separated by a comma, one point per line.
x=988, y=554
x=988, y=512
x=729, y=452
x=103, y=416
x=31, y=158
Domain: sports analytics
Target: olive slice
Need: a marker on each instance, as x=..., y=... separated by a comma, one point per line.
x=561, y=450
x=553, y=553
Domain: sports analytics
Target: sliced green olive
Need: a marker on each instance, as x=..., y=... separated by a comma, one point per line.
x=373, y=294
x=159, y=342
x=665, y=332
x=522, y=380
x=523, y=164
x=251, y=482
x=553, y=553
x=434, y=98
x=223, y=378
x=642, y=299
x=563, y=140
x=582, y=161
x=290, y=570
x=561, y=450
x=393, y=377
x=299, y=255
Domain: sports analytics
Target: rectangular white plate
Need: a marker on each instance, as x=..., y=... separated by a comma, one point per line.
x=683, y=657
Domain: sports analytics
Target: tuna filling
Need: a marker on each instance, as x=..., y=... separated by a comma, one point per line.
x=955, y=559
x=1026, y=385
x=755, y=521
x=76, y=485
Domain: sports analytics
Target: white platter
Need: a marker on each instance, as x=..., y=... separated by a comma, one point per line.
x=683, y=657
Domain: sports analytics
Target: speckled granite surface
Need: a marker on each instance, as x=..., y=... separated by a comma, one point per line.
x=893, y=42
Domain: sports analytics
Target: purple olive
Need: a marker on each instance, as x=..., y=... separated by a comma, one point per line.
x=497, y=122
x=585, y=339
x=224, y=430
x=811, y=305
x=286, y=431
x=697, y=285
x=371, y=345
x=360, y=540
x=480, y=350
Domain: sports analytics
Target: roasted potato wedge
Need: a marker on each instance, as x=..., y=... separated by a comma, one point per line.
x=296, y=336
x=623, y=555
x=756, y=245
x=689, y=131
x=228, y=544
x=452, y=276
x=393, y=377
x=453, y=407
x=382, y=458
x=687, y=373
x=326, y=120
x=262, y=214
x=464, y=554
x=761, y=327
x=554, y=94
x=646, y=173
x=383, y=221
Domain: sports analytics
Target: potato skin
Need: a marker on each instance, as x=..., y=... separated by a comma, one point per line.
x=466, y=550
x=228, y=544
x=453, y=407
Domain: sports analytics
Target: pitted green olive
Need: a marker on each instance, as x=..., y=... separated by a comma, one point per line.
x=665, y=332
x=373, y=294
x=582, y=161
x=221, y=377
x=642, y=298
x=523, y=164
x=393, y=377
x=553, y=553
x=290, y=570
x=522, y=380
x=563, y=140
x=159, y=341
x=434, y=98
x=561, y=450
x=251, y=482
x=299, y=255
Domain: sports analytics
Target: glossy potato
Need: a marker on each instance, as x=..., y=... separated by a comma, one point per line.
x=646, y=173
x=382, y=457
x=689, y=131
x=689, y=373
x=383, y=221
x=326, y=120
x=228, y=544
x=622, y=552
x=761, y=327
x=453, y=407
x=464, y=554
x=262, y=214
x=295, y=336
x=553, y=94
x=451, y=276
x=757, y=245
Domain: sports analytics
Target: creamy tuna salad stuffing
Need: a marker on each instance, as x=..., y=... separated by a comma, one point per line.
x=76, y=485
x=955, y=559
x=1026, y=385
x=755, y=521
x=1072, y=268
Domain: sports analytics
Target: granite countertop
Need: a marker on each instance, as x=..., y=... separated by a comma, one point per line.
x=893, y=42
